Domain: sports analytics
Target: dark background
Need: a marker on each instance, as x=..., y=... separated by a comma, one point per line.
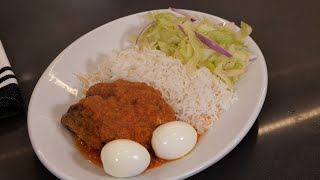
x=34, y=32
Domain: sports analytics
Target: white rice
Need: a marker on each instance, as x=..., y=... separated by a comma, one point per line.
x=197, y=99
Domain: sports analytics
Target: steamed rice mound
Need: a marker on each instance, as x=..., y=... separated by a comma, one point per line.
x=198, y=98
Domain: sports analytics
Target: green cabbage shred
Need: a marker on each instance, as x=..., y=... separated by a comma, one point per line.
x=166, y=36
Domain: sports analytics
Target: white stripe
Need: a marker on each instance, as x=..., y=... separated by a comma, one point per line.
x=8, y=81
x=7, y=72
x=3, y=57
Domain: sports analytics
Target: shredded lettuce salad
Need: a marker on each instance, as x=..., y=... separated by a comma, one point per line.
x=175, y=36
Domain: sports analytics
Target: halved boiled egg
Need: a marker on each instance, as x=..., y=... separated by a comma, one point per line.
x=124, y=158
x=173, y=140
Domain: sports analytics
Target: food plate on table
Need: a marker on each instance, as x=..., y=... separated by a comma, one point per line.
x=63, y=85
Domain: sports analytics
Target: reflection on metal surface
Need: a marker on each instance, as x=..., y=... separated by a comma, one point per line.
x=12, y=154
x=27, y=76
x=281, y=123
x=297, y=68
x=63, y=85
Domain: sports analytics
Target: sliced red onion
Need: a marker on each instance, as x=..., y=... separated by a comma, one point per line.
x=192, y=19
x=181, y=28
x=144, y=29
x=253, y=58
x=213, y=45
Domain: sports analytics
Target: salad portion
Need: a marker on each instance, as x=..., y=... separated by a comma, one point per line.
x=199, y=42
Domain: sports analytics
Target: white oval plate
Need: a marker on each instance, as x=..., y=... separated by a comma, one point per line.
x=58, y=88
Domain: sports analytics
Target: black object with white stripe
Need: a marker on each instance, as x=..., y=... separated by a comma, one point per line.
x=11, y=103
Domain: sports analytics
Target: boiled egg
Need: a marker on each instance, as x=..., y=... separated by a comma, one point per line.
x=173, y=140
x=124, y=158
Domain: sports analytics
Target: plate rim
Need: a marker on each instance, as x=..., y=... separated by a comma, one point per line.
x=204, y=165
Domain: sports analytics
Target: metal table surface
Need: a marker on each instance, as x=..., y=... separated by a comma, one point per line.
x=284, y=142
